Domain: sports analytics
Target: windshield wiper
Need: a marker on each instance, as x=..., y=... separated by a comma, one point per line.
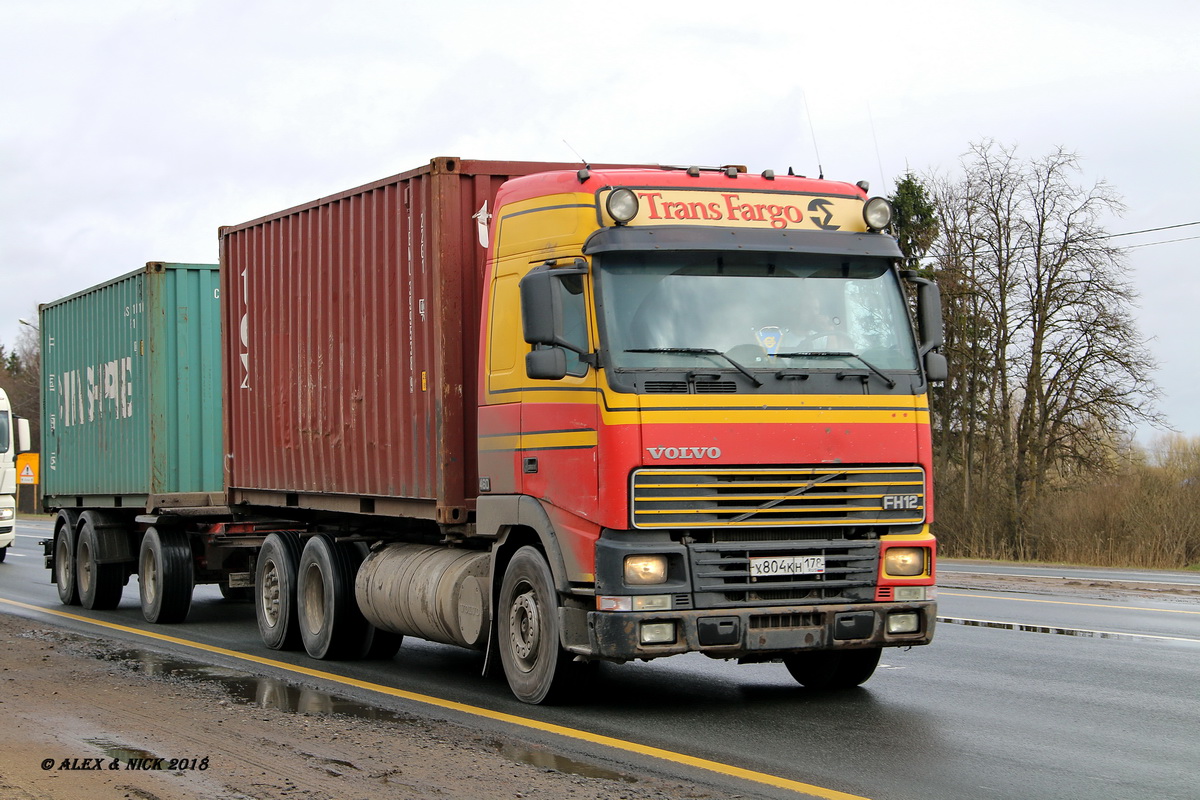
x=699, y=351
x=891, y=384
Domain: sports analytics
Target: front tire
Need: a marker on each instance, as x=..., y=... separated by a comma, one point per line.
x=165, y=578
x=100, y=585
x=275, y=591
x=833, y=669
x=527, y=629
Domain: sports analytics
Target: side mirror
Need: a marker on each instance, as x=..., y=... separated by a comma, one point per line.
x=937, y=370
x=929, y=326
x=542, y=304
x=23, y=437
x=546, y=365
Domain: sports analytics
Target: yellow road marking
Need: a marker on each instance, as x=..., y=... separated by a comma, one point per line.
x=1067, y=603
x=498, y=716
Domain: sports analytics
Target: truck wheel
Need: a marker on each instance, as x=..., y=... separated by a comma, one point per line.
x=331, y=626
x=165, y=579
x=833, y=669
x=527, y=629
x=275, y=591
x=100, y=585
x=64, y=562
x=3, y=553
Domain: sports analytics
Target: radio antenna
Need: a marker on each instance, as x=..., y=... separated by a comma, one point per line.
x=878, y=158
x=582, y=160
x=812, y=132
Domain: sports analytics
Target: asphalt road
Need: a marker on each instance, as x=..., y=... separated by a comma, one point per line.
x=1053, y=694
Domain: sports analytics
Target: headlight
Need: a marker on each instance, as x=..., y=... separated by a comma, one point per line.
x=622, y=205
x=7, y=513
x=645, y=570
x=877, y=213
x=904, y=562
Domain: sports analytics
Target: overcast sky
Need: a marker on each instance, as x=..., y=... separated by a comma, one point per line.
x=130, y=130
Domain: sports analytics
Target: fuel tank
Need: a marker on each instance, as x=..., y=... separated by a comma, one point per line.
x=433, y=593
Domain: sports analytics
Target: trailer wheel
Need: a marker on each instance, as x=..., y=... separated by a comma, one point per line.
x=275, y=591
x=533, y=660
x=100, y=585
x=64, y=561
x=165, y=579
x=331, y=626
x=833, y=669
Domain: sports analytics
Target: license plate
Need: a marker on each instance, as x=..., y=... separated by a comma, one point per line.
x=777, y=566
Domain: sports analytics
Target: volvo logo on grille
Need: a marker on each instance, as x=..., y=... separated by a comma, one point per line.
x=684, y=453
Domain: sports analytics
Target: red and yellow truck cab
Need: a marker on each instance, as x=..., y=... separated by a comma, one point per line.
x=703, y=393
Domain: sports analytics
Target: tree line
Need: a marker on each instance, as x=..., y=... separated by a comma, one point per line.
x=1049, y=376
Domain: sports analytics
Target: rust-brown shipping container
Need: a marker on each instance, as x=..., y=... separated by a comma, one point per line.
x=351, y=332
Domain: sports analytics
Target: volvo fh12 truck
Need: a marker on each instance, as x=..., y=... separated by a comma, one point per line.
x=557, y=414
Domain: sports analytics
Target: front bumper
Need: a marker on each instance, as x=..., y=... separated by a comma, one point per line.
x=758, y=632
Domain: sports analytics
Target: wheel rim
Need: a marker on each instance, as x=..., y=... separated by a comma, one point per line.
x=85, y=567
x=525, y=628
x=314, y=600
x=270, y=593
x=62, y=561
x=149, y=576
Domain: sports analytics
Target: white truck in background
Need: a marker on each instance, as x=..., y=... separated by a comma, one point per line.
x=10, y=444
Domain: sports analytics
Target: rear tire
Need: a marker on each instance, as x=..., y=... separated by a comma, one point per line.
x=331, y=625
x=100, y=585
x=275, y=591
x=833, y=669
x=527, y=630
x=165, y=577
x=64, y=561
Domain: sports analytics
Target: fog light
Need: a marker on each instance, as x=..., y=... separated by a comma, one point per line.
x=645, y=570
x=908, y=594
x=622, y=205
x=877, y=213
x=904, y=622
x=904, y=562
x=657, y=632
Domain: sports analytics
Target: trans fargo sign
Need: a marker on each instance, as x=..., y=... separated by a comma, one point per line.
x=778, y=211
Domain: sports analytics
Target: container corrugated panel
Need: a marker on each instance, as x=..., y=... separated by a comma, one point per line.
x=352, y=338
x=131, y=389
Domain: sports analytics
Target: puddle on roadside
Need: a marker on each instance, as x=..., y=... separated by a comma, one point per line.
x=250, y=690
x=547, y=760
x=126, y=754
x=273, y=693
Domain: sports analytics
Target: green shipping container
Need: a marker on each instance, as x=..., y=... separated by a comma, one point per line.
x=131, y=391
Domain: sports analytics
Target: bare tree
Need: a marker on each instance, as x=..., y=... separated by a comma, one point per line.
x=1048, y=369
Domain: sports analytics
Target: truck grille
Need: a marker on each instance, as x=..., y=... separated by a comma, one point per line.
x=758, y=498
x=721, y=573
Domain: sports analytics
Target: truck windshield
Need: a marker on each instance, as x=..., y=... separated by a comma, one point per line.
x=4, y=431
x=762, y=309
